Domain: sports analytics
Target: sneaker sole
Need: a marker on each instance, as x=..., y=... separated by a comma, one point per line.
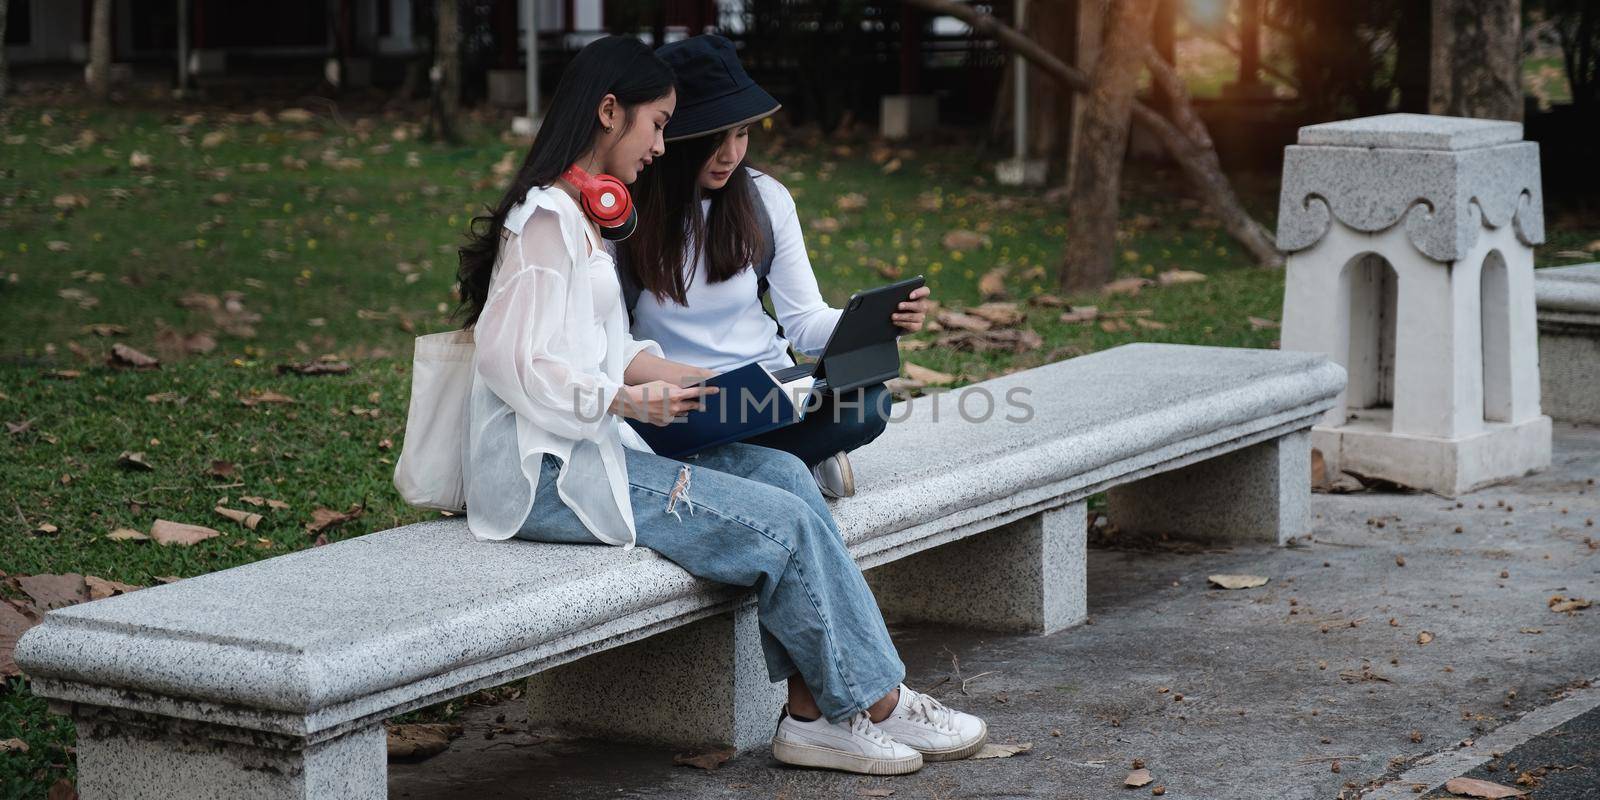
x=805, y=755
x=848, y=474
x=956, y=754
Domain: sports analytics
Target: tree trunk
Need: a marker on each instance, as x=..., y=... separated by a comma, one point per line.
x=446, y=72
x=1196, y=154
x=1092, y=196
x=99, y=75
x=1197, y=159
x=5, y=66
x=1053, y=24
x=1476, y=69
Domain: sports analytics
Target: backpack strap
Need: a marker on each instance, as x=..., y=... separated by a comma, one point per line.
x=769, y=242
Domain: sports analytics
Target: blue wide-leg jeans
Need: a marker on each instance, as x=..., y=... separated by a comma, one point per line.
x=752, y=516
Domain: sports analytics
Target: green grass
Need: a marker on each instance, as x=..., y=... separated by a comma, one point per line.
x=353, y=261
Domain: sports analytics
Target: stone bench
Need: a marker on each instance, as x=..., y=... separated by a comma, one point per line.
x=272, y=680
x=1569, y=341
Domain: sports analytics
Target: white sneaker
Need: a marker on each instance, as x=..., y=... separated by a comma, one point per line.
x=834, y=476
x=931, y=728
x=855, y=745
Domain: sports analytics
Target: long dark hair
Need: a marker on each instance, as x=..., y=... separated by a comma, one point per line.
x=616, y=65
x=668, y=194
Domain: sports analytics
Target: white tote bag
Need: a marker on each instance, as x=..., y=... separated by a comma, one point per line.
x=429, y=472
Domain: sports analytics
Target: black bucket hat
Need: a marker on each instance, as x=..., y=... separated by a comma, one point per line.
x=714, y=93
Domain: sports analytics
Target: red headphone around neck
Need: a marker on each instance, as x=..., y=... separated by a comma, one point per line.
x=604, y=200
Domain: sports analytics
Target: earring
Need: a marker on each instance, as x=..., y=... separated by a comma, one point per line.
x=607, y=128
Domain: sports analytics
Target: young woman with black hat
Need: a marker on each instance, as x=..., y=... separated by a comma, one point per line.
x=546, y=458
x=722, y=235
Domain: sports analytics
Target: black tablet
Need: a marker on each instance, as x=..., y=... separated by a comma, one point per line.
x=862, y=349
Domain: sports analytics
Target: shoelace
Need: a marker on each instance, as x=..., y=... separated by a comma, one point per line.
x=862, y=726
x=931, y=711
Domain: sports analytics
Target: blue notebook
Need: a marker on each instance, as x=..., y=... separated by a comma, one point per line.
x=751, y=403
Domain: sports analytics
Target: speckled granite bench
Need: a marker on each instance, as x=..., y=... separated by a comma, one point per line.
x=1569, y=342
x=272, y=680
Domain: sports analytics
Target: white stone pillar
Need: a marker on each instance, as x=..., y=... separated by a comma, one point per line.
x=703, y=683
x=1411, y=264
x=1030, y=576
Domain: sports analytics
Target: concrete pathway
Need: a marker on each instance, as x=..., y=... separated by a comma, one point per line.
x=1316, y=685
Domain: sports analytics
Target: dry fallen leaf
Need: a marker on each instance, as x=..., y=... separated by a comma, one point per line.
x=1259, y=324
x=1001, y=314
x=126, y=535
x=167, y=532
x=1424, y=637
x=926, y=376
x=876, y=792
x=316, y=368
x=68, y=202
x=1237, y=581
x=964, y=240
x=62, y=789
x=50, y=592
x=1472, y=787
x=993, y=283
x=960, y=321
x=1081, y=314
x=707, y=761
x=129, y=459
x=323, y=519
x=1568, y=605
x=1149, y=324
x=13, y=744
x=992, y=750
x=417, y=741
x=12, y=625
x=1137, y=778
x=1048, y=301
x=1128, y=286
x=1176, y=276
x=100, y=588
x=129, y=358
x=1012, y=340
x=854, y=201
x=246, y=518
x=259, y=398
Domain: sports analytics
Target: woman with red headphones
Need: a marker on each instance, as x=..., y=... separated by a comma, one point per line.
x=547, y=458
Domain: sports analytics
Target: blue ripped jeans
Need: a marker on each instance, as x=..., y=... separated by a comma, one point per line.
x=841, y=422
x=752, y=516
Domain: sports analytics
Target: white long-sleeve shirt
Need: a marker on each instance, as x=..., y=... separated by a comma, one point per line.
x=551, y=346
x=723, y=326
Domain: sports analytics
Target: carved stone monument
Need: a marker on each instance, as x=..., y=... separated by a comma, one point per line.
x=1410, y=241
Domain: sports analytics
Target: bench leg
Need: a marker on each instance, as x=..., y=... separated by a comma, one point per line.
x=1026, y=576
x=701, y=684
x=134, y=757
x=1259, y=494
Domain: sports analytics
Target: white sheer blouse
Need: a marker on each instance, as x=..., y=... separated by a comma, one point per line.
x=552, y=344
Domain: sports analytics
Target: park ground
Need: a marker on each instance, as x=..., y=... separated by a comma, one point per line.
x=1408, y=640
x=243, y=247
